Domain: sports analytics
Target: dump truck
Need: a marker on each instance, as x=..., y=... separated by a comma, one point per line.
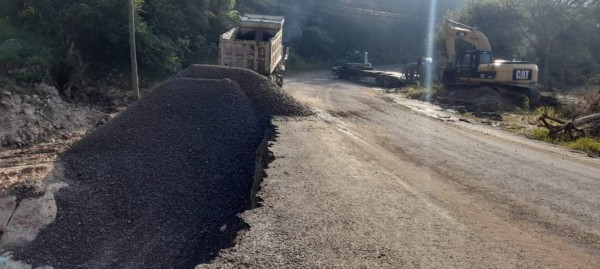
x=257, y=44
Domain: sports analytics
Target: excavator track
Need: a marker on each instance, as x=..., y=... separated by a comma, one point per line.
x=506, y=97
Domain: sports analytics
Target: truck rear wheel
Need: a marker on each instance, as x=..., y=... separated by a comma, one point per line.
x=387, y=82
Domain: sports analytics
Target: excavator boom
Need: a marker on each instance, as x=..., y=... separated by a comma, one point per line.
x=453, y=30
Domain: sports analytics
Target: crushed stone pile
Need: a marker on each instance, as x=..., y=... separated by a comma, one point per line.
x=267, y=98
x=26, y=119
x=159, y=186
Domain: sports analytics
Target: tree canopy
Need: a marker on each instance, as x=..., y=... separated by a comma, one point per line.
x=93, y=35
x=68, y=41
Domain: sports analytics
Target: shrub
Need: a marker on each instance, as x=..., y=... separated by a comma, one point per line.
x=157, y=56
x=550, y=111
x=413, y=92
x=526, y=103
x=541, y=134
x=25, y=56
x=585, y=144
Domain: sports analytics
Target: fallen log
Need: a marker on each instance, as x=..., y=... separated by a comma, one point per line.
x=573, y=129
x=587, y=120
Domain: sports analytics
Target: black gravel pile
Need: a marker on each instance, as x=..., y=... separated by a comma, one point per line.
x=267, y=98
x=153, y=187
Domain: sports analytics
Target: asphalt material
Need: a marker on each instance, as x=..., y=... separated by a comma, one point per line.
x=160, y=185
x=267, y=98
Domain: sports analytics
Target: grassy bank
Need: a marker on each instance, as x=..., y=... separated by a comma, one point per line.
x=523, y=120
x=585, y=144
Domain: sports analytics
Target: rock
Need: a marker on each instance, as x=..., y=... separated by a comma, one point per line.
x=7, y=262
x=30, y=216
x=28, y=110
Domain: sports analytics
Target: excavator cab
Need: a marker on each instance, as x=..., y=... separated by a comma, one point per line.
x=468, y=62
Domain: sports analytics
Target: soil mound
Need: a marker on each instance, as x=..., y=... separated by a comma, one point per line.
x=26, y=119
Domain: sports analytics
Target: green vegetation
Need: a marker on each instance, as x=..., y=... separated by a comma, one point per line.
x=79, y=43
x=25, y=55
x=585, y=144
x=548, y=110
x=413, y=92
x=515, y=128
x=541, y=134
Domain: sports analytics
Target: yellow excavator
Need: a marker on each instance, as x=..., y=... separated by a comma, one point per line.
x=478, y=68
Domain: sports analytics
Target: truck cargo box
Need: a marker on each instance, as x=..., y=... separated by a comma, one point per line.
x=257, y=44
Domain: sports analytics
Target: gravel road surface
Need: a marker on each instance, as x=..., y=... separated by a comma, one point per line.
x=371, y=183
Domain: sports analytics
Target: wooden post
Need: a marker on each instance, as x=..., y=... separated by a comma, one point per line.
x=134, y=68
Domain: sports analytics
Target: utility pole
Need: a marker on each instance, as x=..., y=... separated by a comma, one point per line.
x=134, y=71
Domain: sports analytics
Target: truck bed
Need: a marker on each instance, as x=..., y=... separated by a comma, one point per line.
x=257, y=45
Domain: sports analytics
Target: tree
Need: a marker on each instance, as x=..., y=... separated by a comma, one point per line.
x=500, y=21
x=547, y=27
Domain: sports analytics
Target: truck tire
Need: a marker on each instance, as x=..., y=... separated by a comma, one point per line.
x=279, y=80
x=387, y=83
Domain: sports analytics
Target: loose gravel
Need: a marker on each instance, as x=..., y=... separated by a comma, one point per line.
x=160, y=185
x=267, y=98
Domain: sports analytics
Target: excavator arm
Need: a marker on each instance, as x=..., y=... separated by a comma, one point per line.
x=453, y=30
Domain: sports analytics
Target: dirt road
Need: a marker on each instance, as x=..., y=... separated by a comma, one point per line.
x=371, y=183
